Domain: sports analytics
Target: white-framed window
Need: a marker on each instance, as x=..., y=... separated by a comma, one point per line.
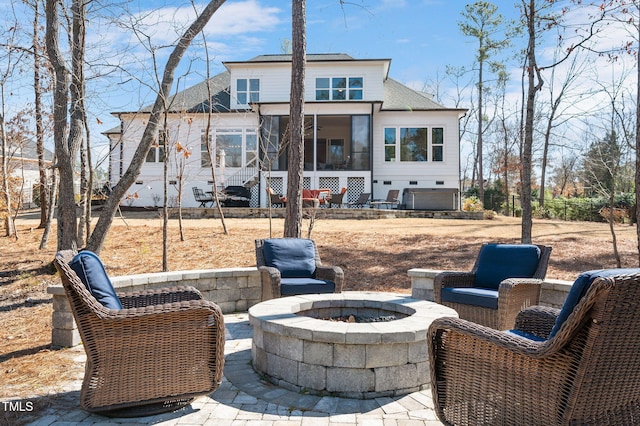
x=413, y=144
x=156, y=153
x=339, y=88
x=437, y=144
x=247, y=90
x=237, y=146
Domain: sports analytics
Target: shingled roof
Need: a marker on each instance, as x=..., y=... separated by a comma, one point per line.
x=397, y=97
x=196, y=98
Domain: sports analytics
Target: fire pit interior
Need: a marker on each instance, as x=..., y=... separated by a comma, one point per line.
x=358, y=311
x=315, y=343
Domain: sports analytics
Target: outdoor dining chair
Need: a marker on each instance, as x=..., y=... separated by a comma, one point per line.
x=363, y=200
x=578, y=365
x=147, y=352
x=391, y=200
x=505, y=279
x=292, y=266
x=201, y=197
x=337, y=200
x=276, y=200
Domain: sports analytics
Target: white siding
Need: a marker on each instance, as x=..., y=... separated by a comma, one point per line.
x=275, y=79
x=428, y=174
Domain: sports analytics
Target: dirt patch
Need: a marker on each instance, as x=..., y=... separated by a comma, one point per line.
x=375, y=255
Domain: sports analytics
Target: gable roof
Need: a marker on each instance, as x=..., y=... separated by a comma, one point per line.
x=28, y=151
x=196, y=98
x=398, y=97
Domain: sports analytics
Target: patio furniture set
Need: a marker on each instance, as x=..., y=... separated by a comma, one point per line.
x=232, y=196
x=315, y=198
x=493, y=355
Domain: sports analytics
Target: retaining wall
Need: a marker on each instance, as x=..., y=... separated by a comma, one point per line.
x=233, y=289
x=236, y=290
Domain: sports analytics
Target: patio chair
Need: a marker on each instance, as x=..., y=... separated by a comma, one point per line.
x=292, y=266
x=201, y=197
x=337, y=199
x=574, y=366
x=391, y=200
x=147, y=352
x=363, y=200
x=505, y=279
x=276, y=200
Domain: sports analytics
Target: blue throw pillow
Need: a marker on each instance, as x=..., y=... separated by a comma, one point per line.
x=293, y=257
x=497, y=262
x=89, y=268
x=579, y=289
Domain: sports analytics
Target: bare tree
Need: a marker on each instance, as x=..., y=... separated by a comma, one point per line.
x=96, y=240
x=482, y=22
x=539, y=16
x=293, y=219
x=560, y=110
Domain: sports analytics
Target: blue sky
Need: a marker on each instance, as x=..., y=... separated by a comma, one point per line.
x=421, y=37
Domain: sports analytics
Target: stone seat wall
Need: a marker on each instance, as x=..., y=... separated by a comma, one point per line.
x=236, y=290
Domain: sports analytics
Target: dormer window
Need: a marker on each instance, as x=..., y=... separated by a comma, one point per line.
x=339, y=88
x=248, y=90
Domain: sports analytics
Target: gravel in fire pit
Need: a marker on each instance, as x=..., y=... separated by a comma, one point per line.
x=362, y=319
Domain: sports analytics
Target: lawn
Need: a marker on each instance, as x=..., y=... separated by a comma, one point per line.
x=375, y=255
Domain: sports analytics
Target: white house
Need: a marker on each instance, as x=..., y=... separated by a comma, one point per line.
x=365, y=131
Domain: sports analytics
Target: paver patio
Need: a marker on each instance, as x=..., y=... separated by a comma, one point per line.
x=243, y=399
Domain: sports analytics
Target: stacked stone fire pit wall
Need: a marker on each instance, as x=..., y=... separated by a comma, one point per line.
x=353, y=360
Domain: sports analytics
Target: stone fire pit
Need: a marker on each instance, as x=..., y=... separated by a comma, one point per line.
x=294, y=347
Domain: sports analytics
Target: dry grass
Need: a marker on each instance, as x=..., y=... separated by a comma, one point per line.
x=375, y=255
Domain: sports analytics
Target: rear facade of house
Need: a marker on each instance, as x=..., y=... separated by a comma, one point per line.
x=364, y=131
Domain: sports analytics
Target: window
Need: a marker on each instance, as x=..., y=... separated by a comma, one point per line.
x=248, y=90
x=339, y=88
x=231, y=146
x=437, y=144
x=412, y=144
x=156, y=153
x=389, y=144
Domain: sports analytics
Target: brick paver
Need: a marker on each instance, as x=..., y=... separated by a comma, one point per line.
x=244, y=400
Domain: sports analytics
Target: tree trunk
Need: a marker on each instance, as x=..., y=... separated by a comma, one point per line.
x=293, y=219
x=480, y=153
x=65, y=155
x=37, y=109
x=99, y=233
x=527, y=148
x=637, y=176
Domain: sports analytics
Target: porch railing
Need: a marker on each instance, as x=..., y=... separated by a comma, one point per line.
x=246, y=176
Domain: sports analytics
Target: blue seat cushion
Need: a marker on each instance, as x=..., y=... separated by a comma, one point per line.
x=526, y=335
x=89, y=268
x=579, y=288
x=483, y=297
x=293, y=257
x=497, y=262
x=294, y=286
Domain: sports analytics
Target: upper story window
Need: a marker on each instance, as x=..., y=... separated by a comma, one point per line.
x=339, y=88
x=248, y=90
x=156, y=152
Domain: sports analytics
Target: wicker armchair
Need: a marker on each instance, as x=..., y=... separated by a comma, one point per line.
x=505, y=279
x=291, y=266
x=162, y=349
x=583, y=370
